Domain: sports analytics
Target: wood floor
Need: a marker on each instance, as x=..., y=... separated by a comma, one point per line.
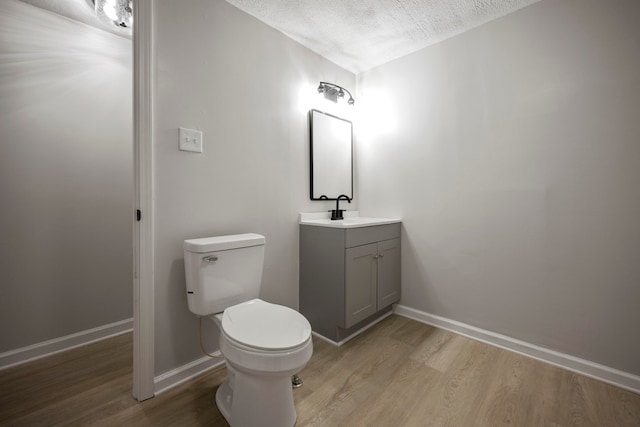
x=399, y=373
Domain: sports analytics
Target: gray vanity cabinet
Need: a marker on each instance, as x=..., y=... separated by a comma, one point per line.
x=348, y=276
x=372, y=279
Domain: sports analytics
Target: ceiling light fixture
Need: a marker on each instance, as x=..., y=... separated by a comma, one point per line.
x=332, y=92
x=115, y=12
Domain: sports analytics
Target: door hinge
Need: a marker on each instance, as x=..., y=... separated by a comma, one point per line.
x=138, y=215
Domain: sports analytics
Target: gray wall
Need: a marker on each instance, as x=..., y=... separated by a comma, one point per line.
x=247, y=87
x=65, y=176
x=512, y=153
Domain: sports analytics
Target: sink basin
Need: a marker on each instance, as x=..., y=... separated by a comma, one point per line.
x=350, y=220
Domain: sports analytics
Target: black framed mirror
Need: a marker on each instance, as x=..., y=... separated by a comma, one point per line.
x=331, y=143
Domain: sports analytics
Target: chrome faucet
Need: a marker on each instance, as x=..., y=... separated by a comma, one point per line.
x=337, y=213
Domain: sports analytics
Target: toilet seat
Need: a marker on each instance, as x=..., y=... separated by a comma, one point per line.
x=264, y=326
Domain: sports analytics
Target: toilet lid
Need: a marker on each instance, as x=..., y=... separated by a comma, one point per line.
x=259, y=324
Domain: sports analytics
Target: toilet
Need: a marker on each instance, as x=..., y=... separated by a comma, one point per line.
x=263, y=344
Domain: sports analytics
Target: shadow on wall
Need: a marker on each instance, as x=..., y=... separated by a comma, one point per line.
x=65, y=99
x=416, y=280
x=177, y=314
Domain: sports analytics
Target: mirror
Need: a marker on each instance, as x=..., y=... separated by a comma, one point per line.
x=331, y=156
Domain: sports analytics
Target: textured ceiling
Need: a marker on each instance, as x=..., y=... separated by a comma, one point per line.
x=355, y=34
x=361, y=34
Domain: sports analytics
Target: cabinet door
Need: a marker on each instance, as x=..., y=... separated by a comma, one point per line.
x=388, y=272
x=360, y=283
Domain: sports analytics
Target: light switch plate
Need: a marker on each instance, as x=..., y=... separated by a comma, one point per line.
x=190, y=140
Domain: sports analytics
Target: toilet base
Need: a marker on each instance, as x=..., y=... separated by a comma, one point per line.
x=223, y=400
x=256, y=400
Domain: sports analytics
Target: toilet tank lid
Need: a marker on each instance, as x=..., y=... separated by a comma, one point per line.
x=223, y=243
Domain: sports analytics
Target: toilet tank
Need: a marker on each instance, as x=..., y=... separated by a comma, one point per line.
x=222, y=271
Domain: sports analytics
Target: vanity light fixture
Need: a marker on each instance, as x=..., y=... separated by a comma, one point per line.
x=332, y=92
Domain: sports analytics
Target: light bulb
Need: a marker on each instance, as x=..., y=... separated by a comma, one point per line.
x=110, y=12
x=115, y=12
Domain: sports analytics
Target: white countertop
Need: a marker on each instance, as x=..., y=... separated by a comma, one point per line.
x=352, y=219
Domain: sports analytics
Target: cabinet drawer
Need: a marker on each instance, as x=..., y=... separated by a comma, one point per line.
x=363, y=235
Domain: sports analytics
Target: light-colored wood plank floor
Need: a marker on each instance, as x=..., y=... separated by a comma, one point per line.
x=399, y=373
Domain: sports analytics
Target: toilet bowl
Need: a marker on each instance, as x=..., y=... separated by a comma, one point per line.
x=264, y=345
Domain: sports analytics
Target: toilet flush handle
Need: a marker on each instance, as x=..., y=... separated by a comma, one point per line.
x=210, y=258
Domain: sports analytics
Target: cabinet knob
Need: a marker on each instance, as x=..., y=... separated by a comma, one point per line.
x=375, y=257
x=381, y=255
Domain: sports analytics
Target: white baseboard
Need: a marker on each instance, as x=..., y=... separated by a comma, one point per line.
x=584, y=367
x=184, y=373
x=36, y=351
x=353, y=335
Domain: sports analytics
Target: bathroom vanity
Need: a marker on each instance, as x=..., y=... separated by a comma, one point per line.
x=349, y=272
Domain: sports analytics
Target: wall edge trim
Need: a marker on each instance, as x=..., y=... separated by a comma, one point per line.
x=180, y=375
x=42, y=349
x=143, y=230
x=618, y=378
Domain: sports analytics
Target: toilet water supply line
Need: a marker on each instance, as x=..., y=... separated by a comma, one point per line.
x=215, y=354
